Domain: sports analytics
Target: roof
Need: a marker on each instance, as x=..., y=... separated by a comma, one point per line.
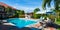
x=5, y=5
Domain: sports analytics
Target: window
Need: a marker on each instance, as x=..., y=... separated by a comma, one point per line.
x=1, y=9
x=0, y=15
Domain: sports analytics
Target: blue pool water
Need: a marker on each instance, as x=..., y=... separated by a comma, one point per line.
x=21, y=22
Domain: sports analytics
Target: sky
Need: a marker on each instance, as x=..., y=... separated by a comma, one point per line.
x=26, y=5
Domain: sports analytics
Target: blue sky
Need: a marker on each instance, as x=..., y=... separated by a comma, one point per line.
x=26, y=5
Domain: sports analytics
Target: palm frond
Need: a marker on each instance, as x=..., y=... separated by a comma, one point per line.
x=49, y=3
x=46, y=2
x=57, y=3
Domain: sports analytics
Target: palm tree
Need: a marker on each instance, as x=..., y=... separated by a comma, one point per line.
x=47, y=2
x=56, y=5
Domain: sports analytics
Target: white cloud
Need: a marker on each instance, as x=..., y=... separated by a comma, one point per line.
x=26, y=9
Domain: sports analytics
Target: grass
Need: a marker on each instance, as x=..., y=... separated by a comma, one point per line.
x=58, y=29
x=58, y=22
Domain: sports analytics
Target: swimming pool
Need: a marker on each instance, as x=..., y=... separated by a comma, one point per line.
x=20, y=22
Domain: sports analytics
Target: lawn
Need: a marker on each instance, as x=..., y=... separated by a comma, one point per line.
x=58, y=22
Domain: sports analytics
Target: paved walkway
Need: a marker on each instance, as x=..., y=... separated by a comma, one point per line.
x=50, y=28
x=8, y=27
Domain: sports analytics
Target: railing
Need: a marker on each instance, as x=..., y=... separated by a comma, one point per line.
x=5, y=15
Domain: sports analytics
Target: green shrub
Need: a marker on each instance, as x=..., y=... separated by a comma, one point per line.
x=36, y=16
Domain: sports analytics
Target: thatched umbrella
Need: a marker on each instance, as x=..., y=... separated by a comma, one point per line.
x=42, y=13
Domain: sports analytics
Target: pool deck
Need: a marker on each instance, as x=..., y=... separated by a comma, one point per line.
x=9, y=24
x=31, y=25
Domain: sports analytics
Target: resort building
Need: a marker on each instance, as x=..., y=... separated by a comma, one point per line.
x=6, y=11
x=31, y=14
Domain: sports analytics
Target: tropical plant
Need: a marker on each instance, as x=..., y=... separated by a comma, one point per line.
x=35, y=10
x=22, y=12
x=48, y=2
x=9, y=12
x=56, y=4
x=19, y=13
